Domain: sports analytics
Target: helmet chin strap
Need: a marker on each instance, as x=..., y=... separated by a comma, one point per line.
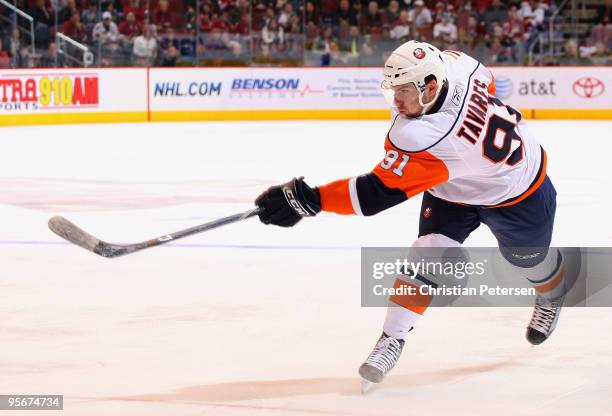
x=427, y=106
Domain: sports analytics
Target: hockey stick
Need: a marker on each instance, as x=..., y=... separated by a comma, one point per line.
x=70, y=232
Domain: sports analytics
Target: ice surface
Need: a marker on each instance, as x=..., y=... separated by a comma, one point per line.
x=249, y=319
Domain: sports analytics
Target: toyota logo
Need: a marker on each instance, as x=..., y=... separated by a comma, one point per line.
x=588, y=87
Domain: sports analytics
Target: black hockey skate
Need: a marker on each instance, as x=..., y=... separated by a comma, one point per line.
x=381, y=360
x=544, y=319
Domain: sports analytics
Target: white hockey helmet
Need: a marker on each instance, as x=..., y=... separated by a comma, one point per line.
x=412, y=62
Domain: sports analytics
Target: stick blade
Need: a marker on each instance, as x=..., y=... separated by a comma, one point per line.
x=70, y=232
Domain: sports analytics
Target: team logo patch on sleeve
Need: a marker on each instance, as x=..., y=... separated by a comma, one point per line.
x=419, y=53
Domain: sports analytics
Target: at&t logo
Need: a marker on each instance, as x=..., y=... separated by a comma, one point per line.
x=503, y=87
x=588, y=87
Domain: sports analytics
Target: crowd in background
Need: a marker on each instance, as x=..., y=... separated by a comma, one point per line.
x=295, y=32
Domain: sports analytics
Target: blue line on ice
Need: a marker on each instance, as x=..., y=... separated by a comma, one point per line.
x=193, y=245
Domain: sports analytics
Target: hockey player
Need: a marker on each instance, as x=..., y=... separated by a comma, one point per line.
x=475, y=161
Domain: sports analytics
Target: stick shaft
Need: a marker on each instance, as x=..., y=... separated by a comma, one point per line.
x=199, y=228
x=70, y=232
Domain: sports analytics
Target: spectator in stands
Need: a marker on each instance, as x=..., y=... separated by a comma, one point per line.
x=422, y=20
x=296, y=25
x=40, y=13
x=369, y=56
x=400, y=30
x=512, y=30
x=273, y=35
x=496, y=12
x=311, y=31
x=227, y=4
x=348, y=13
x=106, y=33
x=220, y=22
x=285, y=16
x=145, y=47
x=329, y=8
x=600, y=55
x=110, y=8
x=90, y=16
x=350, y=45
x=138, y=9
x=169, y=54
x=524, y=9
x=270, y=15
x=244, y=7
x=66, y=10
x=42, y=22
x=513, y=25
x=5, y=59
x=130, y=28
x=538, y=11
x=168, y=39
x=322, y=46
x=74, y=29
x=24, y=58
x=342, y=30
x=236, y=56
x=438, y=11
x=190, y=20
x=571, y=55
x=601, y=32
x=311, y=14
x=391, y=13
x=371, y=21
x=162, y=17
x=115, y=7
x=204, y=22
x=445, y=31
x=216, y=45
x=462, y=19
x=14, y=43
x=50, y=59
x=243, y=27
x=56, y=5
x=604, y=11
x=258, y=12
x=478, y=49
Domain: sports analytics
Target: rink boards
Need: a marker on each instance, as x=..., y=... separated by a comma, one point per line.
x=49, y=96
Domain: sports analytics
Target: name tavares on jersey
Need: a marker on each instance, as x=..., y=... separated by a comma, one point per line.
x=476, y=116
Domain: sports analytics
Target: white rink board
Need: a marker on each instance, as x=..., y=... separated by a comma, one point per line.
x=36, y=96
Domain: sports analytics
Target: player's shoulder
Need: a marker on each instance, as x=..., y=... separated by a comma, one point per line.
x=413, y=135
x=461, y=67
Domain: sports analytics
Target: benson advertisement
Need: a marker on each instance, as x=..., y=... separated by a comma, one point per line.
x=260, y=93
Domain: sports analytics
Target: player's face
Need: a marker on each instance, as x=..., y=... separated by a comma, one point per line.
x=406, y=99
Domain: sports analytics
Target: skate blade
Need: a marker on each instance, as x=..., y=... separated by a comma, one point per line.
x=366, y=386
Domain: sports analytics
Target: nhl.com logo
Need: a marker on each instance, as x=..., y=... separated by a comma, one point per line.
x=588, y=87
x=503, y=87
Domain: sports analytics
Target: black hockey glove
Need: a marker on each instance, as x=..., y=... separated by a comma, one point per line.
x=285, y=205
